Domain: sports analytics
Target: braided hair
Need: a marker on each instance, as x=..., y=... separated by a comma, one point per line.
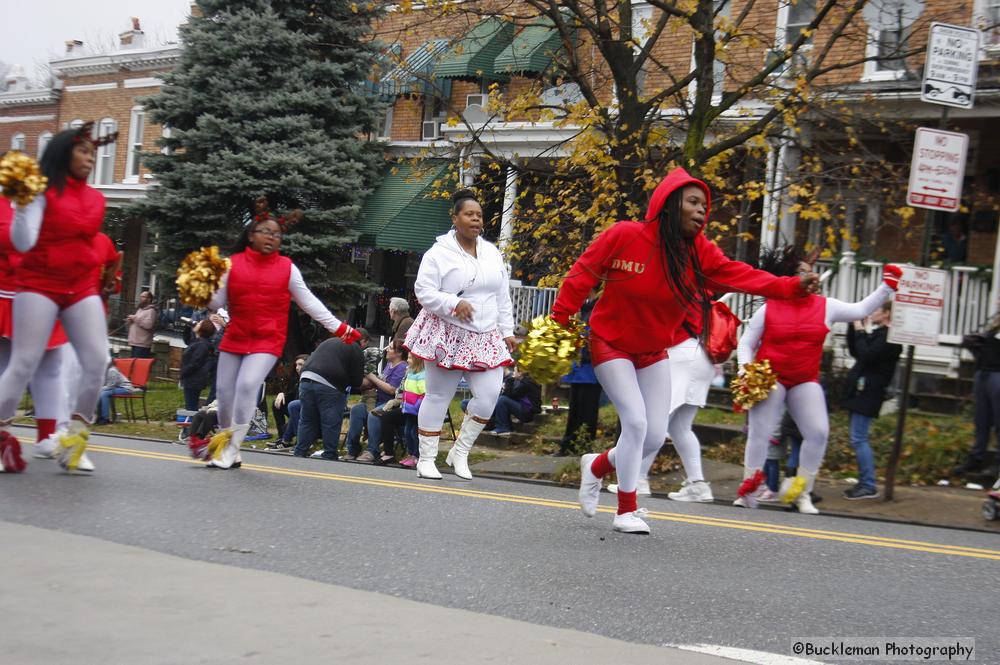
x=679, y=254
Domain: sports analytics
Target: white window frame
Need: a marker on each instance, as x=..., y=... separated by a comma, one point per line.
x=43, y=142
x=18, y=142
x=136, y=129
x=166, y=133
x=982, y=18
x=784, y=13
x=874, y=70
x=642, y=16
x=384, y=129
x=75, y=124
x=104, y=160
x=718, y=67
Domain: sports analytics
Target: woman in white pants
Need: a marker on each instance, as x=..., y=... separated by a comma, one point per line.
x=257, y=290
x=691, y=374
x=466, y=328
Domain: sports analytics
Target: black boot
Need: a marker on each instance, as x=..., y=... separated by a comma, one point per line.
x=970, y=465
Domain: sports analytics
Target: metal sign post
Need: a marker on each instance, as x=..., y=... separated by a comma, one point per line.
x=916, y=319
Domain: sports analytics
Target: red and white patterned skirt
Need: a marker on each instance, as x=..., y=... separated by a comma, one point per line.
x=453, y=347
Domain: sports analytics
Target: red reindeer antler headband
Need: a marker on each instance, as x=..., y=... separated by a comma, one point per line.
x=262, y=211
x=85, y=133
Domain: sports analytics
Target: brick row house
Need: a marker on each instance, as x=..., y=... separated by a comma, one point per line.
x=435, y=83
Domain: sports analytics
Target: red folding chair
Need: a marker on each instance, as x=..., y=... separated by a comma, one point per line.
x=137, y=371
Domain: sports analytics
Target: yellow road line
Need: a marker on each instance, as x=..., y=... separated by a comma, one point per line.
x=760, y=527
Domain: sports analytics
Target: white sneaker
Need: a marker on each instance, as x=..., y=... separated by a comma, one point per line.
x=84, y=464
x=590, y=486
x=697, y=491
x=641, y=488
x=46, y=448
x=629, y=523
x=767, y=496
x=805, y=505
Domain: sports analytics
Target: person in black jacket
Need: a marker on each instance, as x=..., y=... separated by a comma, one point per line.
x=985, y=348
x=333, y=370
x=198, y=364
x=867, y=383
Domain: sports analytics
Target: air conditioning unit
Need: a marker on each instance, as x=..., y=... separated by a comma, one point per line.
x=476, y=100
x=430, y=130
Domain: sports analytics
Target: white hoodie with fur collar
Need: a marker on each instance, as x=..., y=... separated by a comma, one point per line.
x=449, y=274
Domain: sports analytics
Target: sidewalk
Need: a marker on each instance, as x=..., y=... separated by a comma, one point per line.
x=933, y=506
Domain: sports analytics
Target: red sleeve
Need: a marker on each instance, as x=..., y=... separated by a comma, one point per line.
x=724, y=274
x=588, y=270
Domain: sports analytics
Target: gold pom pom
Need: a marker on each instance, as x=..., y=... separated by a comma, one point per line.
x=20, y=178
x=754, y=385
x=200, y=275
x=548, y=352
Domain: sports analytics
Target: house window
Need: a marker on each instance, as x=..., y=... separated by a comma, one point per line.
x=384, y=129
x=722, y=11
x=135, y=130
x=991, y=19
x=883, y=50
x=75, y=124
x=166, y=133
x=104, y=167
x=17, y=142
x=642, y=15
x=798, y=14
x=43, y=142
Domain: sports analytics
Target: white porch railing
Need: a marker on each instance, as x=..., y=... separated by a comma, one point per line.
x=966, y=306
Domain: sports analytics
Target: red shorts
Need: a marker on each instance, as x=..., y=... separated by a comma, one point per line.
x=57, y=339
x=602, y=352
x=65, y=300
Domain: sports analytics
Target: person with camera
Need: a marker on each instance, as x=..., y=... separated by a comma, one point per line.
x=867, y=384
x=141, y=326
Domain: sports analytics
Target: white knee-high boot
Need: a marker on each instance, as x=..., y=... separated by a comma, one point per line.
x=796, y=491
x=458, y=456
x=228, y=453
x=426, y=467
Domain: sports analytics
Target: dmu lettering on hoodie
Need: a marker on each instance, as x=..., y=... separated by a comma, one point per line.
x=628, y=266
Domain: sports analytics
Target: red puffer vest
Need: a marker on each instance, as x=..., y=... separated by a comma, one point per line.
x=258, y=297
x=8, y=257
x=64, y=258
x=794, y=331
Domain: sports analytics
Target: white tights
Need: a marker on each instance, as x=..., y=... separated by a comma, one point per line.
x=638, y=396
x=34, y=316
x=441, y=386
x=237, y=385
x=807, y=406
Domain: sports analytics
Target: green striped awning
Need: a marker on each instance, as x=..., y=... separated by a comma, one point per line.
x=402, y=213
x=531, y=51
x=414, y=75
x=473, y=55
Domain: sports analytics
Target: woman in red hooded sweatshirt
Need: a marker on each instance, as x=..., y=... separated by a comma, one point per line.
x=56, y=234
x=654, y=272
x=257, y=290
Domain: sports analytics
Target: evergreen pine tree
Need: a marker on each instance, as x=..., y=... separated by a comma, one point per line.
x=269, y=98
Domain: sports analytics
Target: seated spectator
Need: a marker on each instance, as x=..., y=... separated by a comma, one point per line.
x=409, y=396
x=115, y=383
x=285, y=406
x=198, y=364
x=520, y=397
x=385, y=386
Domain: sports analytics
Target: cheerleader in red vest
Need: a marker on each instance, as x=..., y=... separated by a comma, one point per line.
x=257, y=291
x=790, y=334
x=54, y=281
x=654, y=271
x=45, y=384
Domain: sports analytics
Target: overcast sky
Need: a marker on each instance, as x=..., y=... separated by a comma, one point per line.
x=33, y=31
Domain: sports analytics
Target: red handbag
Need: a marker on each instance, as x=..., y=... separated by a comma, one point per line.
x=722, y=327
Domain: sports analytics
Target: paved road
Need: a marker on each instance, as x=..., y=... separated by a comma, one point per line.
x=706, y=575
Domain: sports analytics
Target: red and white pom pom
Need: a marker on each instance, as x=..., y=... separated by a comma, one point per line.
x=891, y=274
x=10, y=454
x=198, y=447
